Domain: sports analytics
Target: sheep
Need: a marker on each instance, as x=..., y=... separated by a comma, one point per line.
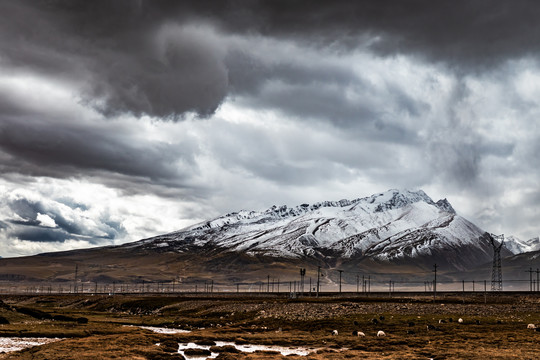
x=411, y=324
x=381, y=333
x=410, y=332
x=477, y=322
x=375, y=321
x=431, y=327
x=334, y=332
x=531, y=326
x=460, y=320
x=381, y=317
x=442, y=321
x=358, y=333
x=355, y=323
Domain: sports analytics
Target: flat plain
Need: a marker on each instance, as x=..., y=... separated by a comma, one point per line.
x=416, y=326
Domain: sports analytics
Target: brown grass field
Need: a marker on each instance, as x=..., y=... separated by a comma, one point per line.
x=493, y=328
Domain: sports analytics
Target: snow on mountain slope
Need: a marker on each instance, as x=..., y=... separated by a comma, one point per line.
x=517, y=246
x=386, y=226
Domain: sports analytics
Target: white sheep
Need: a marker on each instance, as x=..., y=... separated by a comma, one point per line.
x=380, y=333
x=358, y=333
x=460, y=320
x=334, y=332
x=531, y=326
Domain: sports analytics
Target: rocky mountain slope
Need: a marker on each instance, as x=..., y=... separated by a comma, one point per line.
x=390, y=227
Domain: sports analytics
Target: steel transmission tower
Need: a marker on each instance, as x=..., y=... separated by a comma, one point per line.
x=496, y=272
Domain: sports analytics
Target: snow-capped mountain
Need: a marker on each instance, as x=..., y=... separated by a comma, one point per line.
x=517, y=246
x=395, y=235
x=394, y=227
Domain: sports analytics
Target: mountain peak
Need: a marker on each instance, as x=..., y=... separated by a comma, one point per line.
x=444, y=205
x=394, y=198
x=388, y=226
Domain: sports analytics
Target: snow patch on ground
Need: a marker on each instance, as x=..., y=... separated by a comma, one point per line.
x=10, y=344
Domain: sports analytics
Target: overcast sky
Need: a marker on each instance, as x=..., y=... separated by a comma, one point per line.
x=121, y=120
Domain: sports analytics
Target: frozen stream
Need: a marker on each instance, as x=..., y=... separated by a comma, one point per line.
x=244, y=348
x=162, y=330
x=302, y=351
x=9, y=344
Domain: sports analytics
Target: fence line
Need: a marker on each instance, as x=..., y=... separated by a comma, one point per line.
x=266, y=286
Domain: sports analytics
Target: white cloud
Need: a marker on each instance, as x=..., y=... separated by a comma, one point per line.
x=45, y=220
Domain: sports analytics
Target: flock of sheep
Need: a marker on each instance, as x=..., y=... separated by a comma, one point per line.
x=429, y=327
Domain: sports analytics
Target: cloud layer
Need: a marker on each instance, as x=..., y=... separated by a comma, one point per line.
x=180, y=111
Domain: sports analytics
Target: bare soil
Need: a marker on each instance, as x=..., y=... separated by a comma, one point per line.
x=493, y=328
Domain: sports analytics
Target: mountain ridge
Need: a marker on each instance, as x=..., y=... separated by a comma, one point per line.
x=394, y=225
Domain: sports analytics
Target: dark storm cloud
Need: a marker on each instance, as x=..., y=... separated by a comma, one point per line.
x=476, y=33
x=25, y=225
x=127, y=59
x=69, y=149
x=40, y=234
x=139, y=57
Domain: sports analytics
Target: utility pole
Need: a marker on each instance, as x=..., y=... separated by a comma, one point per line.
x=530, y=271
x=357, y=282
x=318, y=279
x=340, y=271
x=302, y=276
x=268, y=285
x=435, y=282
x=75, y=287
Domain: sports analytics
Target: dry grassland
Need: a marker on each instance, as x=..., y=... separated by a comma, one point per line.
x=493, y=330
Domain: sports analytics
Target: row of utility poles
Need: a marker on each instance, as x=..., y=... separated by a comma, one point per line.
x=534, y=286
